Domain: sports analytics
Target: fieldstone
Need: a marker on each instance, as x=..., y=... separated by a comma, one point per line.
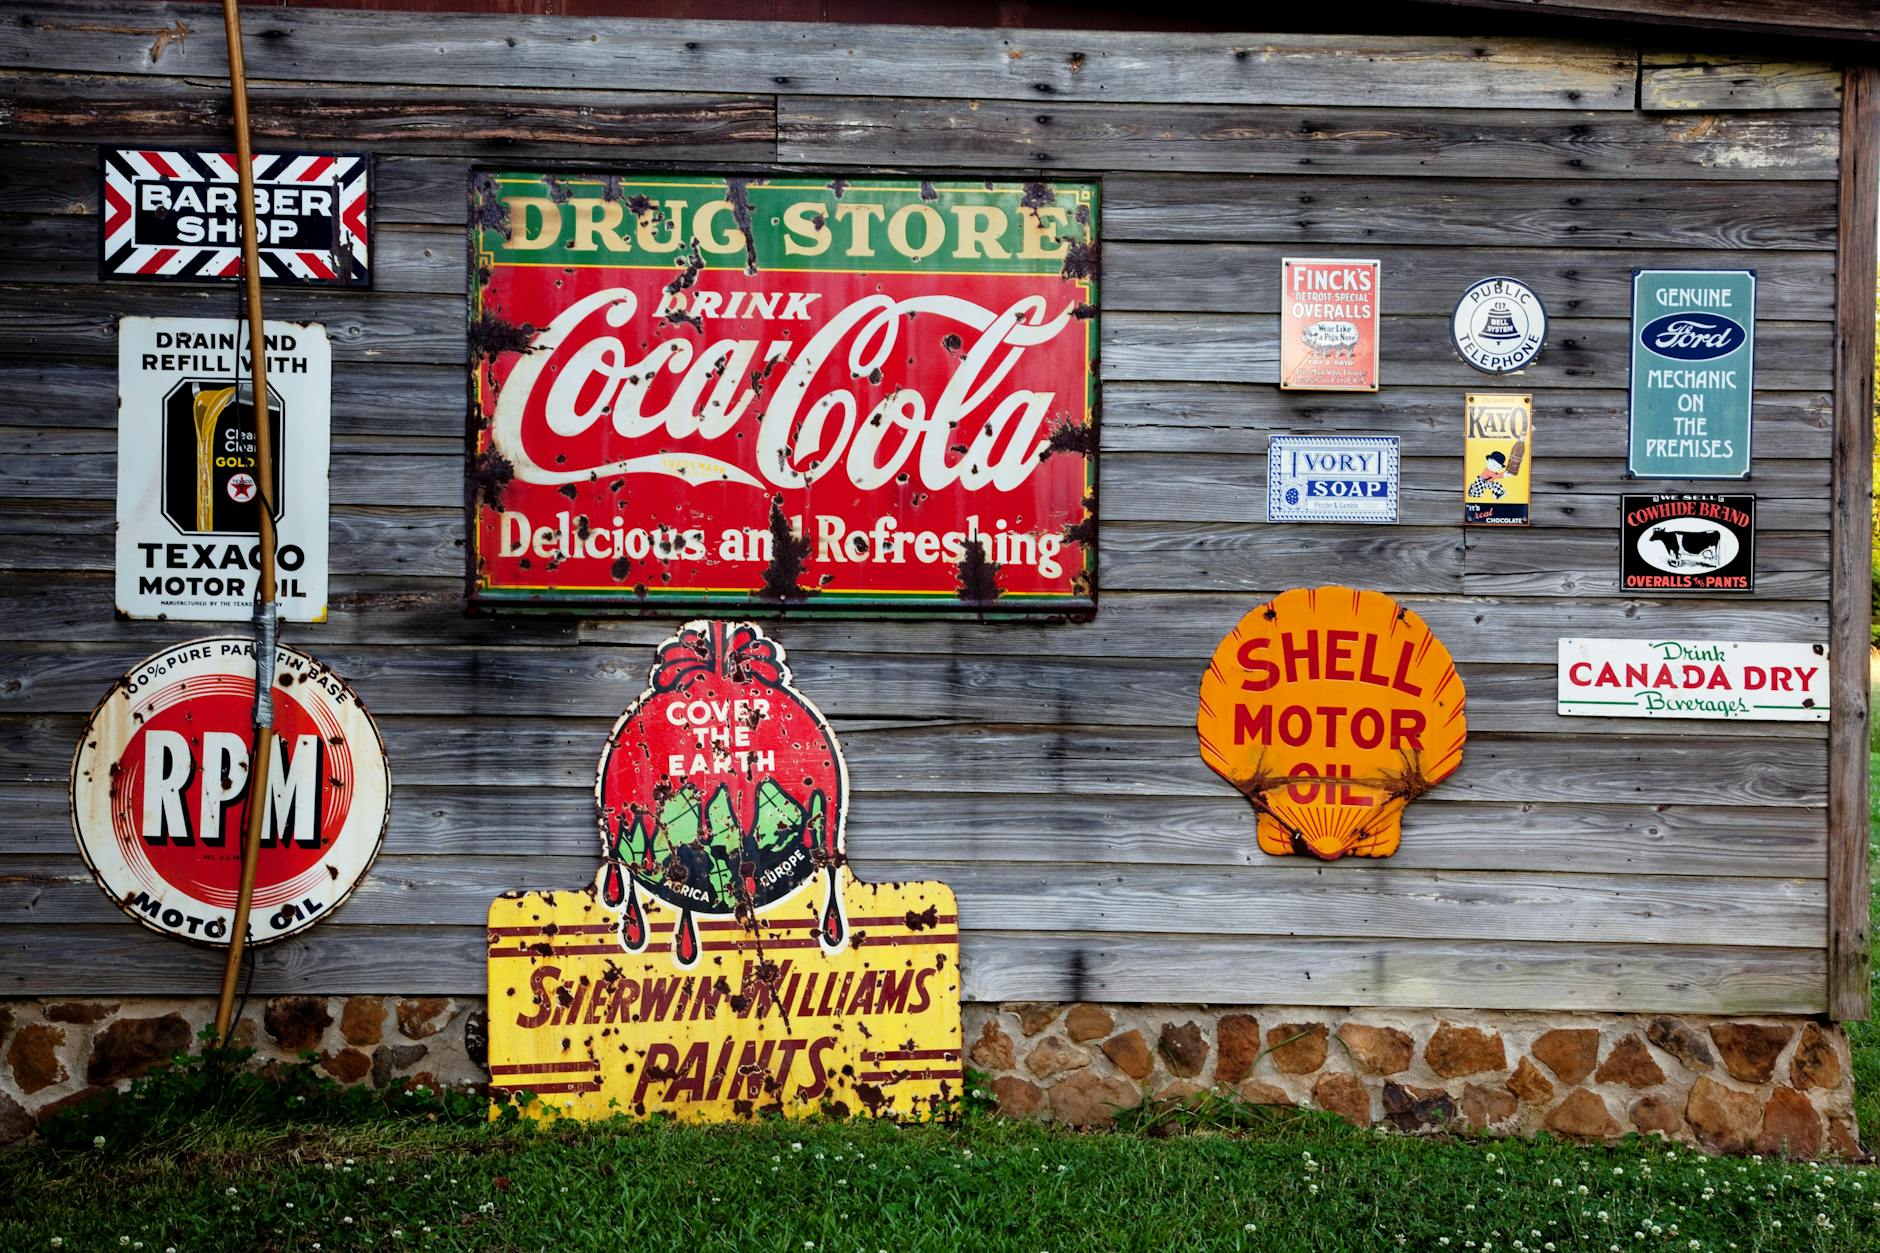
x=1236, y=1048
x=424, y=1017
x=1130, y=1053
x=1297, y=1048
x=1483, y=1107
x=129, y=1047
x=389, y=1059
x=1582, y=1114
x=46, y=1113
x=34, y=1057
x=1817, y=1063
x=1530, y=1084
x=6, y=1022
x=246, y=1035
x=362, y=1022
x=1749, y=1049
x=1842, y=1141
x=1179, y=1091
x=15, y=1122
x=1378, y=1050
x=1184, y=1048
x=1682, y=1041
x=1088, y=1022
x=1651, y=1113
x=1087, y=1099
x=297, y=1023
x=1018, y=1098
x=1053, y=1056
x=1790, y=1126
x=1408, y=1108
x=1254, y=1092
x=476, y=1038
x=1035, y=1016
x=1343, y=1095
x=1632, y=1064
x=1457, y=1051
x=82, y=1013
x=1722, y=1117
x=1570, y=1052
x=993, y=1048
x=347, y=1065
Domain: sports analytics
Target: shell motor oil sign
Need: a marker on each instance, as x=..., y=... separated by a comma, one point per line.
x=725, y=962
x=1331, y=710
x=695, y=390
x=160, y=792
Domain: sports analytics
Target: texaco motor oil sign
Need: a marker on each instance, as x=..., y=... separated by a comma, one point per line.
x=725, y=963
x=188, y=503
x=696, y=390
x=160, y=792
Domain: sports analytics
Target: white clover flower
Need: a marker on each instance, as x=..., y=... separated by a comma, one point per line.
x=1248, y=1227
x=58, y=1242
x=124, y=1239
x=1557, y=1181
x=796, y=1146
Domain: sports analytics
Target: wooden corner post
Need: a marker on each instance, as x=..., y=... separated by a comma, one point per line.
x=1850, y=559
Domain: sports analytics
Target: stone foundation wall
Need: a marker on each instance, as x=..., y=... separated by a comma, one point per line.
x=54, y=1053
x=1768, y=1085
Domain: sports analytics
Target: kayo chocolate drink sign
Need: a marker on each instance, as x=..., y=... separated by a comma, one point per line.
x=697, y=390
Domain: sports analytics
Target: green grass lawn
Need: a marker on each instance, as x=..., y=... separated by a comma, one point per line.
x=277, y=1171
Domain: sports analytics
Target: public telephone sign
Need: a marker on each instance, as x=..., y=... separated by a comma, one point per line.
x=1693, y=368
x=697, y=390
x=160, y=792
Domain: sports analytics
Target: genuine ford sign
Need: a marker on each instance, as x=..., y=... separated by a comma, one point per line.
x=1692, y=336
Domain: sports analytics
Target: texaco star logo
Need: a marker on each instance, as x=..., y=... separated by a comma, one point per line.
x=241, y=488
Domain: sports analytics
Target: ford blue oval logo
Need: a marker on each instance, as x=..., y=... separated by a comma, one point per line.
x=1693, y=336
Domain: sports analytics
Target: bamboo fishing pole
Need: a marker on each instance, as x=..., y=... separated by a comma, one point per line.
x=264, y=621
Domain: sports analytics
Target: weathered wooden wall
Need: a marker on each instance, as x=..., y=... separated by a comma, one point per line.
x=1048, y=772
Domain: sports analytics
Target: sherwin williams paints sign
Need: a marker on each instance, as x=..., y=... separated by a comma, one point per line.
x=827, y=394
x=1693, y=679
x=1693, y=367
x=725, y=963
x=160, y=792
x=1331, y=710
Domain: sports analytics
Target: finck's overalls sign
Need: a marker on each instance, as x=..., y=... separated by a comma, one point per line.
x=699, y=390
x=1693, y=361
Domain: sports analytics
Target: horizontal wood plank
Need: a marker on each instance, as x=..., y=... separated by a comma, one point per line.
x=1272, y=897
x=1302, y=208
x=1630, y=760
x=1580, y=352
x=1586, y=563
x=465, y=119
x=1462, y=143
x=1709, y=82
x=915, y=828
x=128, y=960
x=595, y=682
x=789, y=58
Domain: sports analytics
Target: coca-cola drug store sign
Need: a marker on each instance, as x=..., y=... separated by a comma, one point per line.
x=699, y=390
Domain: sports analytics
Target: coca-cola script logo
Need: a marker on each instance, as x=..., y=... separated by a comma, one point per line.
x=584, y=380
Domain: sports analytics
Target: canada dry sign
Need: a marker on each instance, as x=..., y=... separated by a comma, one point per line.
x=694, y=390
x=159, y=787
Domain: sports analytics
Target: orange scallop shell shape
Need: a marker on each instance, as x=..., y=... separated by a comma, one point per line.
x=1331, y=709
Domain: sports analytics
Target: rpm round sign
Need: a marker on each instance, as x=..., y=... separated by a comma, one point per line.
x=160, y=792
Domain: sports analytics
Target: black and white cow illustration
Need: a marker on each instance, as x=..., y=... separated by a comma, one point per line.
x=1689, y=548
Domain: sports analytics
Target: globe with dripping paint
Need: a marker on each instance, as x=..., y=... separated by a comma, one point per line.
x=721, y=792
x=1331, y=709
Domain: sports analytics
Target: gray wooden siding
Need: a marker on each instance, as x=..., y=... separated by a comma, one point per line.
x=1048, y=773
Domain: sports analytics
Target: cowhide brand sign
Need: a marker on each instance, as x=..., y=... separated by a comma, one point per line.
x=1687, y=543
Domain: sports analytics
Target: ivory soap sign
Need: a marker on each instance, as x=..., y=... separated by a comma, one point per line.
x=725, y=963
x=160, y=792
x=188, y=502
x=1693, y=368
x=1331, y=710
x=1328, y=324
x=1331, y=478
x=830, y=393
x=1602, y=678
